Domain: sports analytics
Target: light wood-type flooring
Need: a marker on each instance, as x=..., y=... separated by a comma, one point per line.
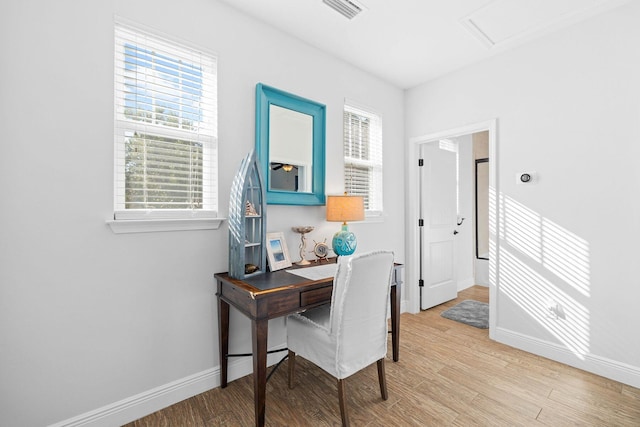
x=449, y=374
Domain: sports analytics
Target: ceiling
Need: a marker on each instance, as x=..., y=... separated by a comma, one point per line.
x=408, y=42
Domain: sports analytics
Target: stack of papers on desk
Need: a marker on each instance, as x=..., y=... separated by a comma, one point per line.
x=318, y=272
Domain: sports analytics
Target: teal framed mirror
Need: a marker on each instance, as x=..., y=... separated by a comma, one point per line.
x=290, y=144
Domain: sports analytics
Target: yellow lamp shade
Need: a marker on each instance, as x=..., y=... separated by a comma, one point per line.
x=345, y=208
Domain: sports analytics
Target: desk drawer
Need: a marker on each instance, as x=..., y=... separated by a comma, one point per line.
x=315, y=296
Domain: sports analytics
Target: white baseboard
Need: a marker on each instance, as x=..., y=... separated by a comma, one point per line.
x=602, y=366
x=145, y=403
x=135, y=407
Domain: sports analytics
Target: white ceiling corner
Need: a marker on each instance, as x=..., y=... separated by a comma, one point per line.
x=420, y=40
x=504, y=21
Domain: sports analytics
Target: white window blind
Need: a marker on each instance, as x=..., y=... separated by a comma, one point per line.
x=165, y=128
x=363, y=156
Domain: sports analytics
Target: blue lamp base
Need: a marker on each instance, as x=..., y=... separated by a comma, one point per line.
x=344, y=242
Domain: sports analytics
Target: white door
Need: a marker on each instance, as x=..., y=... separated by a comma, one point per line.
x=438, y=209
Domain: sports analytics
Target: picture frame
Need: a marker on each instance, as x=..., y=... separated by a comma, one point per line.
x=277, y=251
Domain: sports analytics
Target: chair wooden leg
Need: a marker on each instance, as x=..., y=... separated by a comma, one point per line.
x=383, y=380
x=343, y=403
x=292, y=367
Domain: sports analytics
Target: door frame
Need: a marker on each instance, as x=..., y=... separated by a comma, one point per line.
x=413, y=212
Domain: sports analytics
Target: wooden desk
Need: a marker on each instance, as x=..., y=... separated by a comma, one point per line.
x=274, y=294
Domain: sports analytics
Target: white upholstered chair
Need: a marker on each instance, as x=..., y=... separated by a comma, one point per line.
x=351, y=333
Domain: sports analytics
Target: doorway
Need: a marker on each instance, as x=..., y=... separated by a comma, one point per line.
x=415, y=266
x=454, y=188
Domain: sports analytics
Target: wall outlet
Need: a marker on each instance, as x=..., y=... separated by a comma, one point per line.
x=555, y=310
x=551, y=309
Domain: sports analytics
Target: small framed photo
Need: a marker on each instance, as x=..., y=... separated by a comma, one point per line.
x=277, y=251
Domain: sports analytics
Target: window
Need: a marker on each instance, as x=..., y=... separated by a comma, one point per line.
x=165, y=128
x=363, y=157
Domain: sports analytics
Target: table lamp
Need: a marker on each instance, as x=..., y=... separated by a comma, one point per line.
x=342, y=209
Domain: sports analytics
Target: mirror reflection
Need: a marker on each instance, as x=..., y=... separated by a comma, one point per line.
x=482, y=208
x=290, y=150
x=290, y=143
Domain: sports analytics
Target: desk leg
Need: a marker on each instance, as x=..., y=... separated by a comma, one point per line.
x=259, y=332
x=395, y=321
x=223, y=336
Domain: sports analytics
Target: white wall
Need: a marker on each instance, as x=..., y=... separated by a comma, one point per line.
x=568, y=107
x=464, y=240
x=89, y=318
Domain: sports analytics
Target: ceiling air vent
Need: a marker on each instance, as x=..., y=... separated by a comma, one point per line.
x=346, y=8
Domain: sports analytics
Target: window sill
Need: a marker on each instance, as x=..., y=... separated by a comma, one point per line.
x=124, y=226
x=374, y=218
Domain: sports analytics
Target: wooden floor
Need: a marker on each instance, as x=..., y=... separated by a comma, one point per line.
x=449, y=374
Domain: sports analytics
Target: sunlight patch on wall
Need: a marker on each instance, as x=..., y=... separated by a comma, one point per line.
x=557, y=312
x=566, y=255
x=538, y=256
x=493, y=274
x=522, y=229
x=554, y=247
